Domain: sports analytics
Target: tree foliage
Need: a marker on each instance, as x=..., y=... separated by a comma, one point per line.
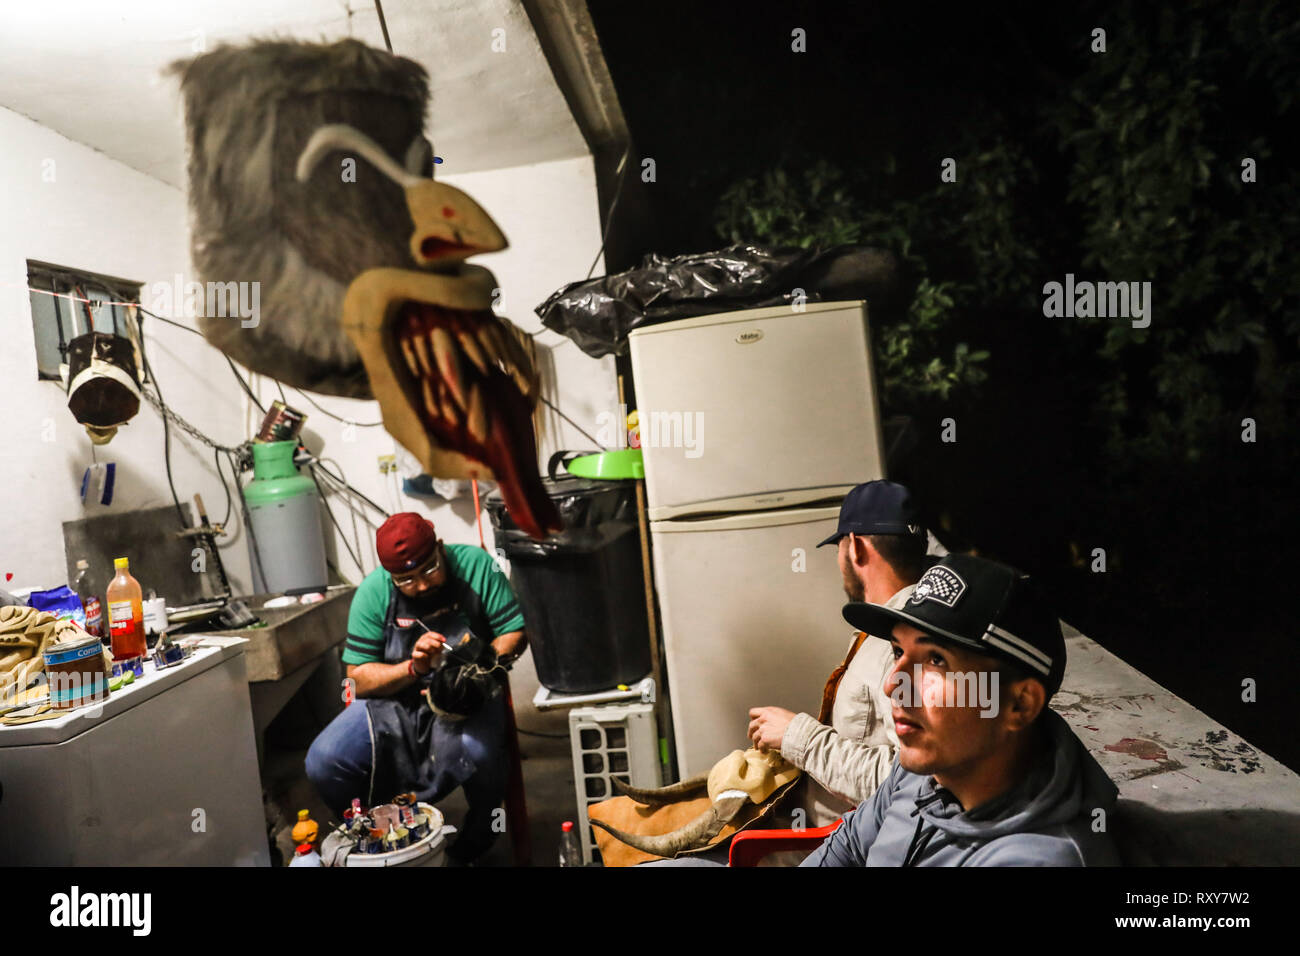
x=1145, y=146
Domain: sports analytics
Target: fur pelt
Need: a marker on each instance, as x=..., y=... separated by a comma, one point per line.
x=249, y=111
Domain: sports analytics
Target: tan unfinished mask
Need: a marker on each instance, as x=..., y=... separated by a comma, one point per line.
x=742, y=778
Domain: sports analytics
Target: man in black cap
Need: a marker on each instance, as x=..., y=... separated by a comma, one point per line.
x=847, y=750
x=998, y=780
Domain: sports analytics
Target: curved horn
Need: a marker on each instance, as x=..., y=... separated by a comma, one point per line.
x=661, y=795
x=340, y=136
x=695, y=834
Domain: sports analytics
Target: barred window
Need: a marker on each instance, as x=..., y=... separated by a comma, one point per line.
x=70, y=302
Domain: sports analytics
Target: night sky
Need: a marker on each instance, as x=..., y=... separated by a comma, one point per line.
x=712, y=95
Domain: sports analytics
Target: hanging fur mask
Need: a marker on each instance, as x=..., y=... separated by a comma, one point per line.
x=310, y=176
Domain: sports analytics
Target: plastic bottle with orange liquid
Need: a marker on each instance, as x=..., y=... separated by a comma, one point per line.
x=125, y=614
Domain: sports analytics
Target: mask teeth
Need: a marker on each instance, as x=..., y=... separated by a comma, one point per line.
x=450, y=410
x=430, y=400
x=503, y=352
x=448, y=362
x=408, y=352
x=478, y=416
x=420, y=345
x=454, y=355
x=469, y=345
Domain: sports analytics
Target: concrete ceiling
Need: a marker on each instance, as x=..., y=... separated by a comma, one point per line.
x=90, y=70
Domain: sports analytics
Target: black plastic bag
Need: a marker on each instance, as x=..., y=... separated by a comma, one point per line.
x=597, y=314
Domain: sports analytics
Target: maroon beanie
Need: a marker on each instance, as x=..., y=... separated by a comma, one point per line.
x=405, y=541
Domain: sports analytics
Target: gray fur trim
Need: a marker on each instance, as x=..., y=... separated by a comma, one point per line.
x=255, y=75
x=249, y=111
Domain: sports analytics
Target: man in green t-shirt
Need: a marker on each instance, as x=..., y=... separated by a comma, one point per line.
x=394, y=738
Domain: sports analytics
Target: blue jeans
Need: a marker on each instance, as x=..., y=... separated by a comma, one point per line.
x=340, y=763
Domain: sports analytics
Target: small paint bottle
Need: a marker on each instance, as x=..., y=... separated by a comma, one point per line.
x=305, y=830
x=420, y=826
x=395, y=838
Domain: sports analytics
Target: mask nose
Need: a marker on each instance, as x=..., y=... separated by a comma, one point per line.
x=449, y=225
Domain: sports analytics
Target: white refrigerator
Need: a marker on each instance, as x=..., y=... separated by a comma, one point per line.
x=753, y=425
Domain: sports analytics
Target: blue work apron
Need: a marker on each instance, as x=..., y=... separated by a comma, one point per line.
x=415, y=748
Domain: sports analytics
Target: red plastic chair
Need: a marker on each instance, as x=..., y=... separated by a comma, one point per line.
x=750, y=846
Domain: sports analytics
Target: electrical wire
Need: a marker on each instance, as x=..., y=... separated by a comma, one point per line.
x=329, y=414
x=356, y=534
x=555, y=408
x=478, y=513
x=216, y=460
x=316, y=463
x=342, y=481
x=353, y=506
x=609, y=214
x=244, y=385
x=338, y=479
x=217, y=449
x=353, y=511
x=383, y=25
x=334, y=521
x=248, y=391
x=167, y=435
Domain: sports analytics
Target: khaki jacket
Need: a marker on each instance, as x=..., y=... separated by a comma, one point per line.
x=844, y=763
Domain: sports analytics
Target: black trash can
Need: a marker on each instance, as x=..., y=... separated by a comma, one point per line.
x=582, y=590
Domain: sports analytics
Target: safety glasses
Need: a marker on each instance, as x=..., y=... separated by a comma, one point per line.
x=427, y=573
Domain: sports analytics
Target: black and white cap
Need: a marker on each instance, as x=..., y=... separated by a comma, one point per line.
x=981, y=605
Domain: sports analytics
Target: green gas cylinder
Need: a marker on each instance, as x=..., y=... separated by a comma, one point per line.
x=287, y=544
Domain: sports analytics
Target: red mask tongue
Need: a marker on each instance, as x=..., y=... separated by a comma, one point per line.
x=510, y=449
x=512, y=457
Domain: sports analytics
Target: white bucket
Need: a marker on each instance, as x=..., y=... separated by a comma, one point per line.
x=429, y=851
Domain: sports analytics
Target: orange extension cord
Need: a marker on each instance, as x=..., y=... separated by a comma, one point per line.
x=478, y=514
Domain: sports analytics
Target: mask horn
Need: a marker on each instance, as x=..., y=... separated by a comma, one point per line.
x=695, y=834
x=659, y=795
x=340, y=136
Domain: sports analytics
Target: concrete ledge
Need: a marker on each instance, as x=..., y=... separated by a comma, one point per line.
x=1191, y=791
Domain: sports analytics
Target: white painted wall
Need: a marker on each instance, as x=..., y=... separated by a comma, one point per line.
x=102, y=216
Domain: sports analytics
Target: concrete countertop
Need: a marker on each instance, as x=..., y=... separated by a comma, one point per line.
x=293, y=635
x=1191, y=791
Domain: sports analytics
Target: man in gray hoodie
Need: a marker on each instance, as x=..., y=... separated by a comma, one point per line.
x=986, y=774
